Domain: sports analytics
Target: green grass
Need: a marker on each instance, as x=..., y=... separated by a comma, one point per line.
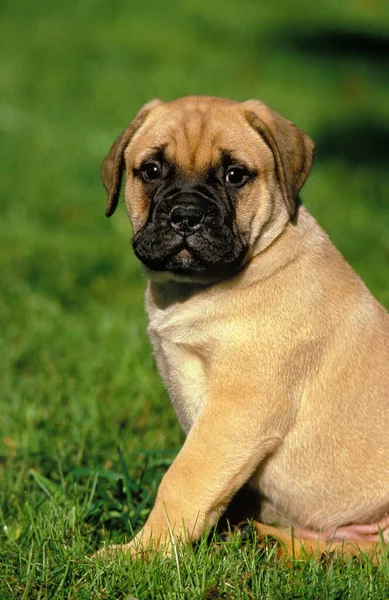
x=86, y=429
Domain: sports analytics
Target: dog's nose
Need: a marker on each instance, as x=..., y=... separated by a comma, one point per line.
x=186, y=218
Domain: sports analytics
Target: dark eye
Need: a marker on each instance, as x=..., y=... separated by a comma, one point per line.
x=236, y=176
x=151, y=171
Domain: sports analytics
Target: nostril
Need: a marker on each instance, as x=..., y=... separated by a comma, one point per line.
x=186, y=217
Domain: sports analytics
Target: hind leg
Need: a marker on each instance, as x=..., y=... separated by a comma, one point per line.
x=358, y=532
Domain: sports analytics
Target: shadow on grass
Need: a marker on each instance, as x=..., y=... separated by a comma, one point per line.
x=339, y=44
x=363, y=138
x=362, y=141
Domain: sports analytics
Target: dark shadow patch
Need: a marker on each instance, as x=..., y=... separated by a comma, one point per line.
x=244, y=505
x=338, y=44
x=359, y=142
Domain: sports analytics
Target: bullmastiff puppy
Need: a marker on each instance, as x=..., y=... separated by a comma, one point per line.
x=274, y=352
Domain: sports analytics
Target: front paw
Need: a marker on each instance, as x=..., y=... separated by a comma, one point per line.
x=142, y=546
x=116, y=550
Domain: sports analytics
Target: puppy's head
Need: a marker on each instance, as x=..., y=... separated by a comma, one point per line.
x=209, y=182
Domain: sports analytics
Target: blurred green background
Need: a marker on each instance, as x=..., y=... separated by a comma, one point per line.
x=77, y=377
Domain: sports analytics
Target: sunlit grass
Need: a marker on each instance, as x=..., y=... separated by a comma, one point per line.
x=86, y=429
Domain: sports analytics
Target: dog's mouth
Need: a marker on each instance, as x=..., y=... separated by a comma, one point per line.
x=158, y=253
x=184, y=254
x=190, y=238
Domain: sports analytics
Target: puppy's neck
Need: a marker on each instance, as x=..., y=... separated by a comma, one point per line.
x=295, y=238
x=164, y=294
x=299, y=234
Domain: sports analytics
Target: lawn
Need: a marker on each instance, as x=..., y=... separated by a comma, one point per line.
x=86, y=428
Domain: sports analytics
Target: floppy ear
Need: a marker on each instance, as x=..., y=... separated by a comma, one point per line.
x=292, y=149
x=112, y=168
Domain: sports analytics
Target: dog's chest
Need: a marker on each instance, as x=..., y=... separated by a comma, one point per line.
x=181, y=365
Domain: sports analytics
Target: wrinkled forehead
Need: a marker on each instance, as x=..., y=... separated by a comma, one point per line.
x=196, y=136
